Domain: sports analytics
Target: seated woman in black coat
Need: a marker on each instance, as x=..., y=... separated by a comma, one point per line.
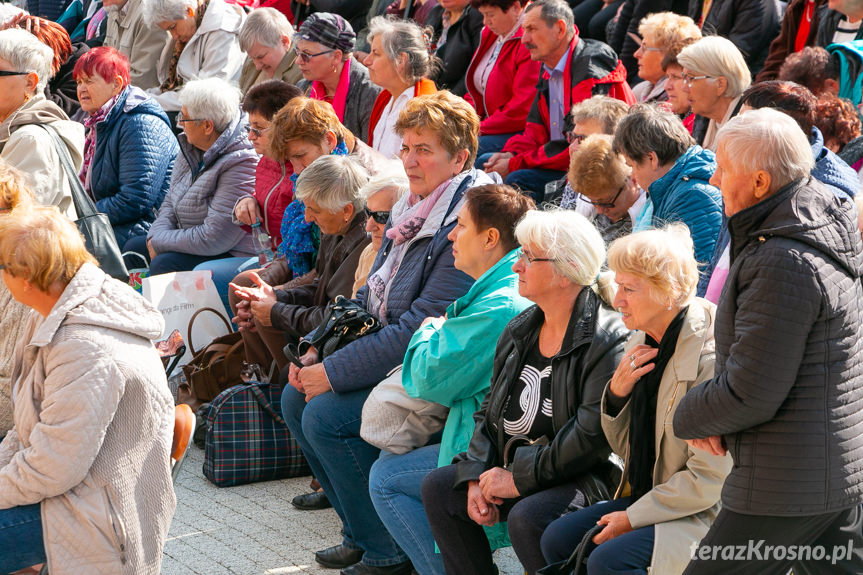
x=538, y=449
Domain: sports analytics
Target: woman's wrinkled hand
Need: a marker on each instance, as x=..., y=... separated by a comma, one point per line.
x=480, y=510
x=247, y=211
x=498, y=484
x=632, y=366
x=314, y=381
x=308, y=358
x=714, y=445
x=616, y=523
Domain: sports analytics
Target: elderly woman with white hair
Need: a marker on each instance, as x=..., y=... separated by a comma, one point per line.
x=329, y=188
x=266, y=37
x=674, y=489
x=203, y=44
x=787, y=395
x=28, y=121
x=400, y=63
x=537, y=449
x=216, y=167
x=715, y=75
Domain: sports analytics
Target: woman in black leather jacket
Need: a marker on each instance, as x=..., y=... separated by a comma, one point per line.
x=538, y=449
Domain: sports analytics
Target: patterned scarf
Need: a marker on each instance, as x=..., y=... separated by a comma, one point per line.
x=174, y=80
x=90, y=142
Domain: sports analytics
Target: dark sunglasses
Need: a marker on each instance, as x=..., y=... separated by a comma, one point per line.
x=12, y=73
x=379, y=217
x=605, y=204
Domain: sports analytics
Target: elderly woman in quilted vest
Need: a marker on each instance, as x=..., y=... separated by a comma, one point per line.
x=85, y=482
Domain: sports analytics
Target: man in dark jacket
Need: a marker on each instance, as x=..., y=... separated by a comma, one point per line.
x=838, y=21
x=573, y=70
x=787, y=397
x=799, y=29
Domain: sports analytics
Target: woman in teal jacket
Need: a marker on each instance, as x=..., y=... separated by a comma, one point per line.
x=449, y=361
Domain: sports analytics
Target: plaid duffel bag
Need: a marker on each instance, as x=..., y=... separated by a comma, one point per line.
x=247, y=439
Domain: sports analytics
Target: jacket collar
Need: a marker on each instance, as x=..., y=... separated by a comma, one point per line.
x=580, y=330
x=86, y=284
x=746, y=224
x=499, y=271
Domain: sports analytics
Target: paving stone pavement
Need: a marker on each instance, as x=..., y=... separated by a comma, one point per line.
x=253, y=529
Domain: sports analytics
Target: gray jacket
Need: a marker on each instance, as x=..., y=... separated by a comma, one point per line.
x=195, y=217
x=787, y=396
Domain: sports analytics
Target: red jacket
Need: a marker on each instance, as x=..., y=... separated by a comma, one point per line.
x=273, y=191
x=511, y=85
x=592, y=70
x=421, y=88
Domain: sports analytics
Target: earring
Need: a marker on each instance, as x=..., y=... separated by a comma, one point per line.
x=669, y=306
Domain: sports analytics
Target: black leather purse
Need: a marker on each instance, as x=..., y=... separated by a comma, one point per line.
x=348, y=322
x=93, y=225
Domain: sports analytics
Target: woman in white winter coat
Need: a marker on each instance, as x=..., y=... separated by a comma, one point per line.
x=85, y=481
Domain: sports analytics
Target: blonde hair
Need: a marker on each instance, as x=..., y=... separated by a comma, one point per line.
x=664, y=258
x=596, y=168
x=716, y=57
x=13, y=191
x=668, y=28
x=451, y=118
x=574, y=245
x=42, y=246
x=305, y=119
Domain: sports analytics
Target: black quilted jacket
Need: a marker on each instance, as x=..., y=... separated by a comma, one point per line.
x=788, y=390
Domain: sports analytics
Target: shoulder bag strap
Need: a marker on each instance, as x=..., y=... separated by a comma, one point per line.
x=84, y=206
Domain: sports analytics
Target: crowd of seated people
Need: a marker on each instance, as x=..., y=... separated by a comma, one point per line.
x=614, y=247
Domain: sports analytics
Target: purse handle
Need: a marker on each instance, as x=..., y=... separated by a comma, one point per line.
x=192, y=323
x=84, y=206
x=265, y=404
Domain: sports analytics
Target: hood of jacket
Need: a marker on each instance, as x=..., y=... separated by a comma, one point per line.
x=37, y=110
x=695, y=164
x=234, y=138
x=807, y=212
x=220, y=16
x=830, y=169
x=94, y=298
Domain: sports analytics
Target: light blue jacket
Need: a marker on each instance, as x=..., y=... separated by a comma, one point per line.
x=451, y=363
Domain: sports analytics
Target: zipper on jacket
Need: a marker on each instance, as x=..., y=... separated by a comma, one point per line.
x=116, y=525
x=270, y=193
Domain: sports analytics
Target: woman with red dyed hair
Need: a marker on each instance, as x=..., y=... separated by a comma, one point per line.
x=130, y=148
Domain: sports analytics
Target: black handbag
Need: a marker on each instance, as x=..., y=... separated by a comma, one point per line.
x=348, y=322
x=93, y=225
x=573, y=565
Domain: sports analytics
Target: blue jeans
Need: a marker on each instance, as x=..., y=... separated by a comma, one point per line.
x=225, y=270
x=394, y=484
x=628, y=554
x=328, y=431
x=166, y=262
x=489, y=144
x=533, y=181
x=21, y=537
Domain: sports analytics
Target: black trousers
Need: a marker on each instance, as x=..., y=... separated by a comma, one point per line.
x=741, y=544
x=463, y=545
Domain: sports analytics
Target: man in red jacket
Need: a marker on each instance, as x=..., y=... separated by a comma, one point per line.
x=573, y=69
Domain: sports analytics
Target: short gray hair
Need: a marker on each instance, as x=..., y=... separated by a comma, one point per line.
x=553, y=10
x=156, y=11
x=266, y=26
x=27, y=54
x=391, y=175
x=403, y=37
x=766, y=139
x=607, y=111
x=715, y=56
x=333, y=182
x=211, y=99
x=574, y=245
x=648, y=128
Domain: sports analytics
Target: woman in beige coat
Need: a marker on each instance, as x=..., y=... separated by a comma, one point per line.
x=669, y=492
x=85, y=478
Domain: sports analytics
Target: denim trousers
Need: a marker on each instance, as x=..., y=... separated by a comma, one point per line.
x=225, y=270
x=627, y=554
x=328, y=431
x=488, y=145
x=394, y=485
x=21, y=537
x=166, y=262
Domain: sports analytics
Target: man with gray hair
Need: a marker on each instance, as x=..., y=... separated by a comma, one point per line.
x=574, y=69
x=787, y=396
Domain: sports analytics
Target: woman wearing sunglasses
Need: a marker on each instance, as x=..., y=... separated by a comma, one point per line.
x=324, y=44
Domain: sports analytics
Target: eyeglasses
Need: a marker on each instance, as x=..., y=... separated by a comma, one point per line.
x=689, y=79
x=12, y=73
x=604, y=204
x=641, y=45
x=181, y=120
x=527, y=260
x=379, y=217
x=573, y=137
x=257, y=131
x=305, y=56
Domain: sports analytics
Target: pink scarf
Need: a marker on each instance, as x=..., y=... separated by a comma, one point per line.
x=90, y=142
x=319, y=92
